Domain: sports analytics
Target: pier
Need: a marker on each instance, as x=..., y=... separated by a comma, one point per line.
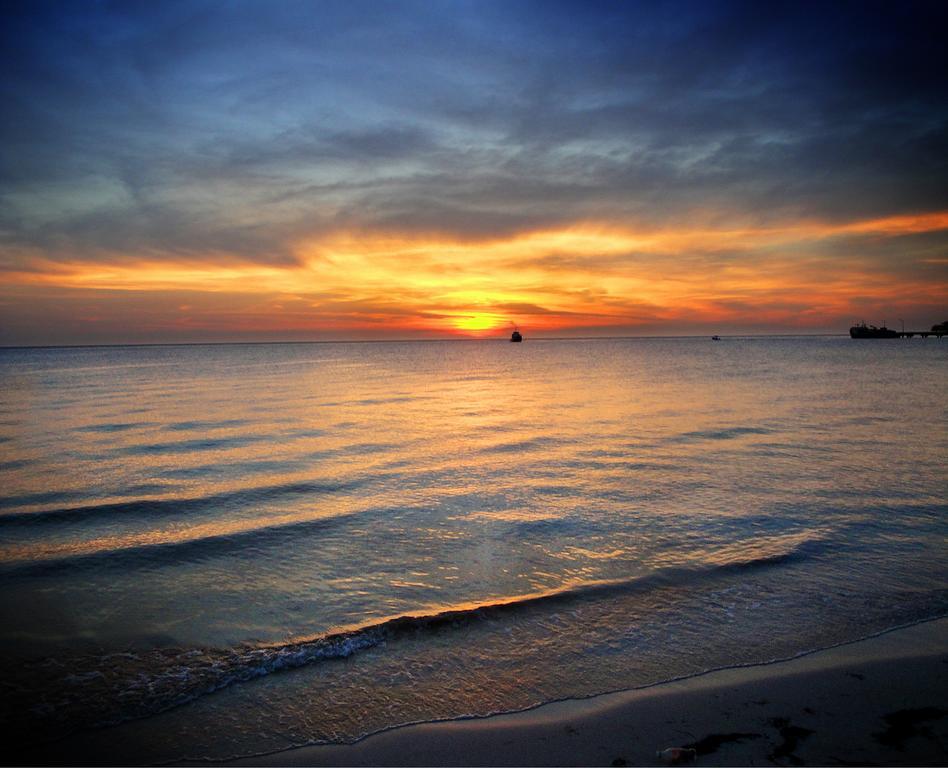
x=923, y=334
x=863, y=331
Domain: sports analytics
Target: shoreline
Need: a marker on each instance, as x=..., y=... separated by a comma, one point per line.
x=878, y=700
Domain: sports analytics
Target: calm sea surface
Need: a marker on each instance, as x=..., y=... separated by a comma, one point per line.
x=222, y=550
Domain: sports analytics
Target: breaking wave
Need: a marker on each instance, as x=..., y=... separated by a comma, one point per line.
x=96, y=690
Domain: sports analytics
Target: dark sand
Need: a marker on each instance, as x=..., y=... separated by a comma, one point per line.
x=878, y=701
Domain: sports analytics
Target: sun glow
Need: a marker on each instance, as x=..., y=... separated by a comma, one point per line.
x=479, y=322
x=578, y=276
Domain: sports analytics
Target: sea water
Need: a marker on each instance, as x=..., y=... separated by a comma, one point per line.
x=233, y=549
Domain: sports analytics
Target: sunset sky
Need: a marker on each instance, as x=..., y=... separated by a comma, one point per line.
x=189, y=171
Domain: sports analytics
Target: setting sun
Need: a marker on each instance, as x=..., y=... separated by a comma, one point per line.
x=478, y=323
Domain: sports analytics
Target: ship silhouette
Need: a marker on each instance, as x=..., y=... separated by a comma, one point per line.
x=863, y=331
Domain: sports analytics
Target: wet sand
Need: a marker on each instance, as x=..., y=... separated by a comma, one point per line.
x=880, y=701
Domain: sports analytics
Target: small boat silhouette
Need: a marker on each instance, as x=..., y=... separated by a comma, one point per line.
x=515, y=336
x=715, y=338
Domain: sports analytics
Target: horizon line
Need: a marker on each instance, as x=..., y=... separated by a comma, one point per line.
x=410, y=340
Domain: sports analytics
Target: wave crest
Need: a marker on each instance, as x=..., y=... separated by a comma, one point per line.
x=98, y=690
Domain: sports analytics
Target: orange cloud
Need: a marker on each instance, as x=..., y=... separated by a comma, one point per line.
x=588, y=274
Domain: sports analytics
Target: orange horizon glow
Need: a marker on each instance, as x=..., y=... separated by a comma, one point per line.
x=582, y=275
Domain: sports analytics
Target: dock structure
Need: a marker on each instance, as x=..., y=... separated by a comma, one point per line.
x=923, y=334
x=863, y=331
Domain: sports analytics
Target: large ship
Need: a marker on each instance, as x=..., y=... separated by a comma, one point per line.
x=863, y=331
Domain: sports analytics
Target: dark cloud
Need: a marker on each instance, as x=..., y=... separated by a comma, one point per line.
x=199, y=128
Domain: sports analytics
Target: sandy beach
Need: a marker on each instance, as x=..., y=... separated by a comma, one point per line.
x=880, y=701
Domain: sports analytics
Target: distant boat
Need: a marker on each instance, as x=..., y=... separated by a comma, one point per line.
x=715, y=338
x=515, y=336
x=863, y=331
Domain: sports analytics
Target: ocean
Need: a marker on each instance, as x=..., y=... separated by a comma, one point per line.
x=218, y=550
